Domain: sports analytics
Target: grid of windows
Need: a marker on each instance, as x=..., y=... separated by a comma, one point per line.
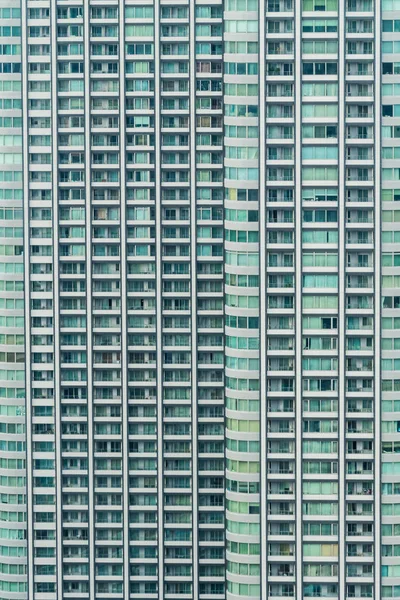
x=390, y=343
x=124, y=117
x=13, y=509
x=200, y=251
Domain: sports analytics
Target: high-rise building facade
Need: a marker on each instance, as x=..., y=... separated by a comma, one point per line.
x=199, y=299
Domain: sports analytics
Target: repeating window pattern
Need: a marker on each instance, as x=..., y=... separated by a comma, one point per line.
x=125, y=189
x=13, y=472
x=390, y=342
x=201, y=193
x=316, y=240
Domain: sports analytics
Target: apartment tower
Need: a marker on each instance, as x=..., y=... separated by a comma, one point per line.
x=199, y=299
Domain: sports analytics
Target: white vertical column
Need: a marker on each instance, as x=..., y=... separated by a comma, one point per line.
x=124, y=325
x=27, y=296
x=342, y=300
x=56, y=297
x=377, y=300
x=89, y=335
x=193, y=293
x=263, y=309
x=298, y=300
x=158, y=210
